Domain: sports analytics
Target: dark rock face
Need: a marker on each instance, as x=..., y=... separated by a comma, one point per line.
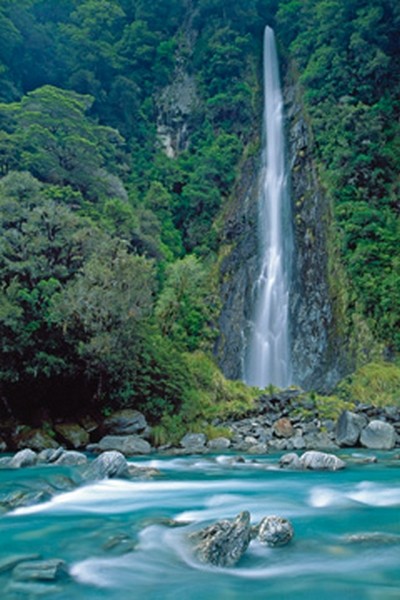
x=275, y=531
x=379, y=436
x=73, y=435
x=317, y=358
x=223, y=543
x=239, y=270
x=315, y=332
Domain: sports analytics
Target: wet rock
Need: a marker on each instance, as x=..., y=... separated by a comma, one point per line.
x=71, y=459
x=142, y=473
x=120, y=543
x=321, y=461
x=219, y=444
x=108, y=465
x=23, y=458
x=129, y=445
x=8, y=563
x=19, y=590
x=373, y=538
x=349, y=427
x=72, y=434
x=3, y=445
x=40, y=570
x=291, y=461
x=5, y=462
x=20, y=498
x=223, y=543
x=125, y=422
x=193, y=442
x=50, y=455
x=378, y=435
x=275, y=531
x=283, y=427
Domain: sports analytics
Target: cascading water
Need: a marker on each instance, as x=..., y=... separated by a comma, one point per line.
x=267, y=352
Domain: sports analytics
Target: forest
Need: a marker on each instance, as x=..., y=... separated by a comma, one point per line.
x=110, y=239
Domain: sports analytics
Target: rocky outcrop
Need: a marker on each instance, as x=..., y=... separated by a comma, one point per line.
x=223, y=543
x=108, y=465
x=125, y=422
x=73, y=435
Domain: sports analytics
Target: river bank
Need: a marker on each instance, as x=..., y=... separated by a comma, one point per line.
x=279, y=422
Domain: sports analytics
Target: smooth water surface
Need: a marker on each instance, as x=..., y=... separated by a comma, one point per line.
x=346, y=545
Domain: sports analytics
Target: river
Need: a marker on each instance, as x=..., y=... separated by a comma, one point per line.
x=346, y=544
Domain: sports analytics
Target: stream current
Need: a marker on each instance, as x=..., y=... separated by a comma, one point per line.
x=119, y=543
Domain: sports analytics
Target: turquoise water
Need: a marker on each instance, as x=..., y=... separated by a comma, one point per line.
x=346, y=545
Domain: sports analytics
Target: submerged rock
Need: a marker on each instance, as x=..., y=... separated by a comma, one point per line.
x=50, y=455
x=379, y=436
x=321, y=461
x=275, y=531
x=8, y=563
x=40, y=570
x=223, y=543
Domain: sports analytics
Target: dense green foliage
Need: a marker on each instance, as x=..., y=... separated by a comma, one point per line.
x=108, y=246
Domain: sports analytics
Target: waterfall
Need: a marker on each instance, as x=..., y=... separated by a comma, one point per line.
x=267, y=350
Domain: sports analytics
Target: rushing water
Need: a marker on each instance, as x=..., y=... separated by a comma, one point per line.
x=346, y=545
x=267, y=359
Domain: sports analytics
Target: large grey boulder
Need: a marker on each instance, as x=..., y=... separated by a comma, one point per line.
x=129, y=445
x=321, y=461
x=291, y=461
x=349, y=427
x=50, y=455
x=223, y=543
x=23, y=458
x=219, y=444
x=40, y=570
x=275, y=531
x=125, y=422
x=193, y=442
x=107, y=466
x=379, y=436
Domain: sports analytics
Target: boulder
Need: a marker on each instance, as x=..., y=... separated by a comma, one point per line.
x=378, y=435
x=219, y=444
x=129, y=445
x=23, y=458
x=283, y=428
x=223, y=543
x=71, y=458
x=50, y=455
x=321, y=461
x=107, y=466
x=275, y=531
x=40, y=570
x=193, y=442
x=348, y=428
x=125, y=422
x=73, y=435
x=291, y=461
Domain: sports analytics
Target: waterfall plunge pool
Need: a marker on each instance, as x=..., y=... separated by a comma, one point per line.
x=118, y=540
